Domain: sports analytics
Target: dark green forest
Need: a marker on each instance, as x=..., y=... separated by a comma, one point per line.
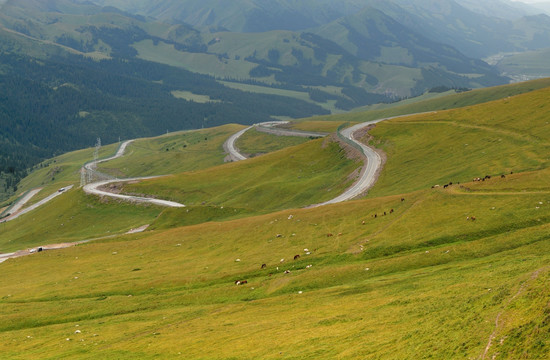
x=48, y=107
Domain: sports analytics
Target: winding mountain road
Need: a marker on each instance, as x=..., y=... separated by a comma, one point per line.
x=366, y=179
x=229, y=145
x=94, y=188
x=371, y=158
x=269, y=128
x=266, y=127
x=15, y=210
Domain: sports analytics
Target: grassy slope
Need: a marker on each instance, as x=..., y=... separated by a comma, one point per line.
x=457, y=145
x=454, y=101
x=435, y=282
x=329, y=105
x=85, y=217
x=73, y=216
x=257, y=143
x=172, y=153
x=434, y=286
x=293, y=177
x=530, y=63
x=61, y=171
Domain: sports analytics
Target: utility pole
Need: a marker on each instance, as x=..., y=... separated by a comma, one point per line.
x=96, y=151
x=93, y=165
x=82, y=176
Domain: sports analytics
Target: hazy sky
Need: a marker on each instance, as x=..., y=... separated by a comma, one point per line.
x=532, y=1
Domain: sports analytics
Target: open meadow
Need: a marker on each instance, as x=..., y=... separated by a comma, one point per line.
x=248, y=271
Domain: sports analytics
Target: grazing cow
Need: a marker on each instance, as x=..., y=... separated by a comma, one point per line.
x=375, y=216
x=329, y=235
x=473, y=218
x=296, y=257
x=502, y=176
x=402, y=199
x=264, y=266
x=279, y=235
x=39, y=249
x=339, y=234
x=287, y=271
x=363, y=222
x=445, y=186
x=241, y=282
x=384, y=213
x=450, y=183
x=391, y=211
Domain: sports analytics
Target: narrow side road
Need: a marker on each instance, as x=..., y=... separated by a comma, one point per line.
x=94, y=188
x=229, y=146
x=15, y=214
x=266, y=127
x=372, y=161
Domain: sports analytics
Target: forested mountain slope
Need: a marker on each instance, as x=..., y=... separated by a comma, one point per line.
x=115, y=69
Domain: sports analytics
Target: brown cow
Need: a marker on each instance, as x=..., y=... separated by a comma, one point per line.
x=296, y=257
x=264, y=266
x=329, y=235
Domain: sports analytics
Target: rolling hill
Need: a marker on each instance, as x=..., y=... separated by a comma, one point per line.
x=446, y=273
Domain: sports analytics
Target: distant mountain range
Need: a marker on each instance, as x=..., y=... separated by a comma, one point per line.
x=476, y=28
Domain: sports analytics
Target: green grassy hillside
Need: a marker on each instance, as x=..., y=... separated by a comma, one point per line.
x=452, y=101
x=254, y=142
x=499, y=137
x=417, y=281
x=172, y=153
x=297, y=176
x=73, y=216
x=530, y=64
x=409, y=272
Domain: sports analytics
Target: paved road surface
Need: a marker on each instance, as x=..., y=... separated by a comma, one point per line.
x=368, y=173
x=15, y=215
x=93, y=188
x=229, y=145
x=267, y=127
x=19, y=204
x=367, y=178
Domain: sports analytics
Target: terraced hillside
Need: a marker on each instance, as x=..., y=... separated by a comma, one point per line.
x=409, y=272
